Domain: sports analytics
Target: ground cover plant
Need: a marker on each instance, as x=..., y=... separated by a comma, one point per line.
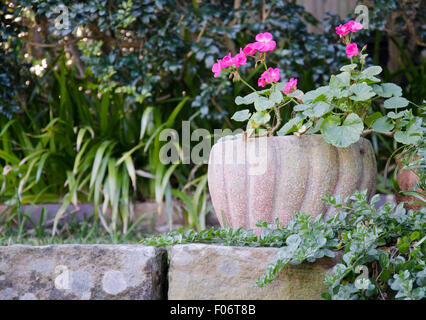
x=388, y=242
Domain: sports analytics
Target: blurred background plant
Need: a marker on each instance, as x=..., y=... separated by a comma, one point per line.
x=81, y=107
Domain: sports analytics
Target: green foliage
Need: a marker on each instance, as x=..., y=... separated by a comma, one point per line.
x=13, y=69
x=338, y=110
x=153, y=49
x=144, y=57
x=14, y=230
x=89, y=147
x=388, y=243
x=344, y=108
x=342, y=134
x=33, y=164
x=194, y=199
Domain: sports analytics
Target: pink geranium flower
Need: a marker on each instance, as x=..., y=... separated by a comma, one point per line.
x=261, y=82
x=239, y=59
x=217, y=68
x=354, y=26
x=342, y=30
x=351, y=50
x=265, y=42
x=275, y=74
x=251, y=49
x=290, y=85
x=227, y=61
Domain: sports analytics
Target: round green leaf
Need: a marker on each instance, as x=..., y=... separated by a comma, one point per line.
x=371, y=71
x=261, y=117
x=291, y=125
x=321, y=108
x=383, y=124
x=242, y=115
x=248, y=99
x=301, y=107
x=387, y=90
x=312, y=95
x=362, y=92
x=345, y=78
x=336, y=82
x=296, y=93
x=394, y=115
x=276, y=97
x=318, y=110
x=371, y=118
x=412, y=134
x=348, y=67
x=239, y=100
x=262, y=103
x=342, y=135
x=396, y=102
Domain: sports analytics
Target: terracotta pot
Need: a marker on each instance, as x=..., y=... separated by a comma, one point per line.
x=406, y=180
x=274, y=177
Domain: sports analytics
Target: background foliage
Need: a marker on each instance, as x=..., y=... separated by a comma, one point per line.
x=124, y=70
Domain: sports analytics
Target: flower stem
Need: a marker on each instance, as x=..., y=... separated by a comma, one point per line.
x=266, y=68
x=243, y=81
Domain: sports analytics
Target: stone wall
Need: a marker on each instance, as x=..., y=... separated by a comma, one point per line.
x=196, y=271
x=200, y=271
x=82, y=272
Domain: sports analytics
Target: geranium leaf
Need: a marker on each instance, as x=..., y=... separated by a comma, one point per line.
x=383, y=124
x=342, y=135
x=242, y=115
x=395, y=103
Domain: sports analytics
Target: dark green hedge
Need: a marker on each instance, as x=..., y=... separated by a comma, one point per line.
x=154, y=50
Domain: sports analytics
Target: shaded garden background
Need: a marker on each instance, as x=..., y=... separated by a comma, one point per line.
x=81, y=108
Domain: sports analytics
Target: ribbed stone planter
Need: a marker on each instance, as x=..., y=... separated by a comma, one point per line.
x=274, y=177
x=214, y=272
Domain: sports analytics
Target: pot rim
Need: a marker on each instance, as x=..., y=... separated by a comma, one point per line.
x=303, y=136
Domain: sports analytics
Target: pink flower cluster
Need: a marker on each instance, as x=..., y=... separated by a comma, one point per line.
x=290, y=85
x=343, y=30
x=274, y=74
x=263, y=43
x=228, y=61
x=350, y=26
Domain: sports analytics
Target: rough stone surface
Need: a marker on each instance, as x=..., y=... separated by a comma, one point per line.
x=82, y=272
x=274, y=177
x=212, y=272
